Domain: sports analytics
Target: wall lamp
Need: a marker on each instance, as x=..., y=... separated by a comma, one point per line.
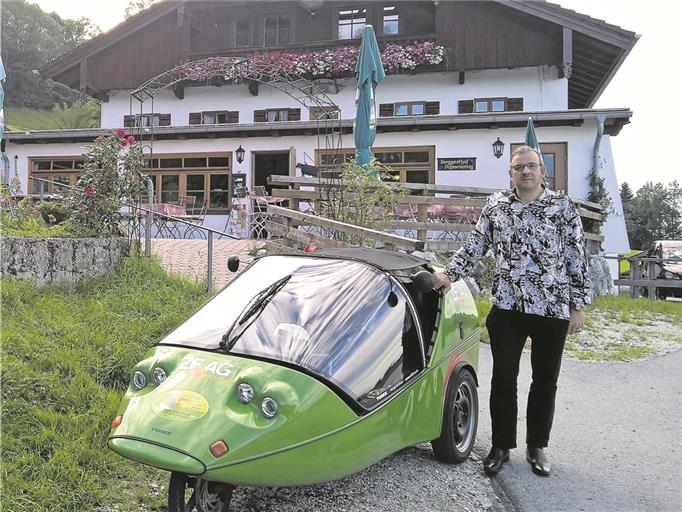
x=498, y=148
x=240, y=154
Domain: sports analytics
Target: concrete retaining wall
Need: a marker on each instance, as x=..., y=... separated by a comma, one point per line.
x=59, y=260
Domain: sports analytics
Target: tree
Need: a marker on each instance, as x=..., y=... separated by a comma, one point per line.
x=135, y=6
x=82, y=114
x=626, y=193
x=30, y=39
x=655, y=213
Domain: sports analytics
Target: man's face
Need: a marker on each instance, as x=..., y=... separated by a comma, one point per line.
x=527, y=178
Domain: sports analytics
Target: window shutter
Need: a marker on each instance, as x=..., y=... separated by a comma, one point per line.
x=233, y=116
x=259, y=116
x=164, y=119
x=514, y=104
x=466, y=106
x=195, y=118
x=432, y=108
x=386, y=110
x=128, y=121
x=294, y=114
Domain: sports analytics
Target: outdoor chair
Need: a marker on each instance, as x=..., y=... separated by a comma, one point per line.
x=196, y=223
x=236, y=220
x=188, y=203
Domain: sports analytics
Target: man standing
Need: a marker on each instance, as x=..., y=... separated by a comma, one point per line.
x=539, y=290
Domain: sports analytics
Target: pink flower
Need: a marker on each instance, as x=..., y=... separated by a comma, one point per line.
x=93, y=207
x=120, y=133
x=131, y=139
x=124, y=141
x=89, y=191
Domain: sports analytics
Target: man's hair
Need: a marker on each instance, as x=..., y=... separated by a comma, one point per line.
x=527, y=149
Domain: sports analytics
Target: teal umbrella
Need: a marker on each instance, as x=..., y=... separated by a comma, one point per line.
x=531, y=139
x=369, y=72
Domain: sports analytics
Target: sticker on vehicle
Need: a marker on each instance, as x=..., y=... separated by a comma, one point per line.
x=180, y=405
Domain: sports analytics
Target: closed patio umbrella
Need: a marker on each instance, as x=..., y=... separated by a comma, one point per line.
x=531, y=138
x=369, y=72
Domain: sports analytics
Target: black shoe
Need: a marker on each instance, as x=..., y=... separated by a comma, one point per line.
x=495, y=460
x=538, y=461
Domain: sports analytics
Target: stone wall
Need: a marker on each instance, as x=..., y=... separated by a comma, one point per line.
x=59, y=260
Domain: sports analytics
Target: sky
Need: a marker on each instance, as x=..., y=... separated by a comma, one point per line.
x=649, y=82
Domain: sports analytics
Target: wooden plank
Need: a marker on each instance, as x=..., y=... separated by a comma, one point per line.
x=312, y=195
x=594, y=236
x=582, y=202
x=431, y=226
x=324, y=182
x=301, y=236
x=304, y=218
x=658, y=283
x=590, y=215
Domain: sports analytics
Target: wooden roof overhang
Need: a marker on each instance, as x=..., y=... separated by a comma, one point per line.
x=589, y=51
x=614, y=120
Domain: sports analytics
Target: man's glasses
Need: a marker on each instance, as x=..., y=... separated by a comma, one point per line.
x=519, y=167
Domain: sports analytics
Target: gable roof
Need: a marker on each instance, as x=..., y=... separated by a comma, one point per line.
x=598, y=48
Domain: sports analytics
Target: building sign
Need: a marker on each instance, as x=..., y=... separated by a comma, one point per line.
x=457, y=164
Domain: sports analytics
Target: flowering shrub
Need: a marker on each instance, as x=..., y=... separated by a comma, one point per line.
x=328, y=62
x=111, y=174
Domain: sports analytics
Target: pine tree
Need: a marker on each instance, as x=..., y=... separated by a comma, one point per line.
x=626, y=193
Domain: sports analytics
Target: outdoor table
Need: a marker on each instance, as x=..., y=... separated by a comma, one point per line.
x=165, y=221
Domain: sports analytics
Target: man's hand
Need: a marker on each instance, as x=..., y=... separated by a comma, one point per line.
x=442, y=282
x=576, y=322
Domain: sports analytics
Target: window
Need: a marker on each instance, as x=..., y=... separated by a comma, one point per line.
x=46, y=175
x=351, y=22
x=408, y=165
x=242, y=32
x=390, y=20
x=214, y=117
x=205, y=177
x=273, y=115
x=277, y=30
x=332, y=339
x=323, y=113
x=481, y=105
x=409, y=108
x=489, y=105
x=146, y=120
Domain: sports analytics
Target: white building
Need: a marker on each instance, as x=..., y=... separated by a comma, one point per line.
x=502, y=62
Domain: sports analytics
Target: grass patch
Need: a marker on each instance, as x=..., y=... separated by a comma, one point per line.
x=25, y=118
x=632, y=310
x=611, y=352
x=67, y=356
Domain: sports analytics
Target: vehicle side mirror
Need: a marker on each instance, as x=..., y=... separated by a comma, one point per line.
x=423, y=280
x=233, y=263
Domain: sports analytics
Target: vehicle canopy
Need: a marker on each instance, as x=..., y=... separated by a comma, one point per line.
x=350, y=318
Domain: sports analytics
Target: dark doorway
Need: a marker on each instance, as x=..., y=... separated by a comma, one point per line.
x=267, y=164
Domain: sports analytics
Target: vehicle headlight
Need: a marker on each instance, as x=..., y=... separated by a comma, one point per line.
x=244, y=393
x=139, y=380
x=158, y=375
x=269, y=407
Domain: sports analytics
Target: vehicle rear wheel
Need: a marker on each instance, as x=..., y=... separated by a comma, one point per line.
x=187, y=494
x=460, y=419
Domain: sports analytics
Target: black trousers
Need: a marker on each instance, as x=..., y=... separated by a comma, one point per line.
x=508, y=331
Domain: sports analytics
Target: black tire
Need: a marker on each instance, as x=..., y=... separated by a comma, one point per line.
x=204, y=496
x=460, y=419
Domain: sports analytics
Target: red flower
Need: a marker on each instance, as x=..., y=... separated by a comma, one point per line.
x=124, y=141
x=93, y=207
x=131, y=139
x=89, y=191
x=120, y=133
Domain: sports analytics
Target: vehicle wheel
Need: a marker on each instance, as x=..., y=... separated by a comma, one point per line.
x=460, y=419
x=204, y=496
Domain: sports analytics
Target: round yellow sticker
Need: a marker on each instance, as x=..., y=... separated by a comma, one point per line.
x=180, y=405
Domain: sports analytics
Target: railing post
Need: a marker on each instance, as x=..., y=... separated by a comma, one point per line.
x=423, y=216
x=652, y=275
x=149, y=218
x=634, y=274
x=209, y=263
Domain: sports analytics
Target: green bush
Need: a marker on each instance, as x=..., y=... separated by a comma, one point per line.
x=53, y=212
x=67, y=356
x=27, y=221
